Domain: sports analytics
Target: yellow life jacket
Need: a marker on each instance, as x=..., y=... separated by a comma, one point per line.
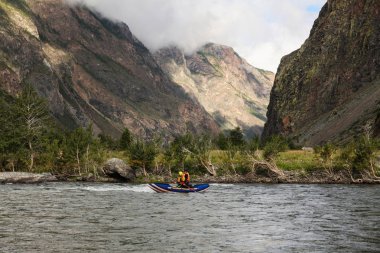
x=181, y=179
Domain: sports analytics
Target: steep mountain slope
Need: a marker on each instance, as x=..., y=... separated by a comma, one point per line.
x=329, y=89
x=231, y=90
x=91, y=70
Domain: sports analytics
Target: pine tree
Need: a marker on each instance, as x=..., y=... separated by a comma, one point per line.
x=10, y=132
x=237, y=137
x=126, y=139
x=34, y=119
x=142, y=154
x=221, y=141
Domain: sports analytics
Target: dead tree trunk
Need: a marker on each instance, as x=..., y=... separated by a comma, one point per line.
x=144, y=170
x=31, y=164
x=78, y=161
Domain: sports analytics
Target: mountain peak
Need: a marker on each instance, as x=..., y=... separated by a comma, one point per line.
x=232, y=91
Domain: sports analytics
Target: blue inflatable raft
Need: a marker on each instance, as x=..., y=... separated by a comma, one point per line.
x=158, y=187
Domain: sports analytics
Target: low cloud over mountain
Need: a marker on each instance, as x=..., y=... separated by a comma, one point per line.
x=260, y=31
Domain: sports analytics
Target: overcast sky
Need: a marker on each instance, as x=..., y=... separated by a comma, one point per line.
x=261, y=31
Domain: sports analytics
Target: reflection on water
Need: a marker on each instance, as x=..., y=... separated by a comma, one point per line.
x=70, y=217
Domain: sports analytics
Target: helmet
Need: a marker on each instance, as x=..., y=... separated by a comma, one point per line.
x=180, y=173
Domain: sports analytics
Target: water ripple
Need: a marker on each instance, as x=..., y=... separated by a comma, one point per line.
x=76, y=217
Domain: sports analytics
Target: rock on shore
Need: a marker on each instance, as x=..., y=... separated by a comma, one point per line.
x=26, y=178
x=118, y=169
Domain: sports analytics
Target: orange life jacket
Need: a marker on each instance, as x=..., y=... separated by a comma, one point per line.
x=187, y=177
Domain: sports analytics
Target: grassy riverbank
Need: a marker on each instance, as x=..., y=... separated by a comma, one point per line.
x=293, y=166
x=237, y=166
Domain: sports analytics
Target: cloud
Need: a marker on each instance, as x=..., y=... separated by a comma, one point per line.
x=262, y=31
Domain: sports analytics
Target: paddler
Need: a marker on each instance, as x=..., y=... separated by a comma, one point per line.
x=181, y=180
x=187, y=178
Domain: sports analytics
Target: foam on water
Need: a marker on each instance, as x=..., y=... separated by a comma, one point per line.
x=139, y=188
x=221, y=185
x=105, y=188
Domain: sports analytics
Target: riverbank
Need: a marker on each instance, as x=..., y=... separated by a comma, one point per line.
x=285, y=177
x=262, y=172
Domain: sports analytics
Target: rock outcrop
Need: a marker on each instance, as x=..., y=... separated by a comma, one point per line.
x=91, y=70
x=329, y=89
x=118, y=169
x=229, y=88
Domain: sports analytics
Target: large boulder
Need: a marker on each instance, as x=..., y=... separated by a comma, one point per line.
x=26, y=178
x=117, y=168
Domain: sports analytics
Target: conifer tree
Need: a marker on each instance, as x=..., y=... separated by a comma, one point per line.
x=236, y=137
x=142, y=154
x=126, y=139
x=34, y=118
x=10, y=132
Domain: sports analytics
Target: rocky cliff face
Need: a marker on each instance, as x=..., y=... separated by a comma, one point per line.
x=231, y=90
x=329, y=89
x=91, y=70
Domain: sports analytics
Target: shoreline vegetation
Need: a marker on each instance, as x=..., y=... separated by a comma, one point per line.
x=357, y=163
x=31, y=142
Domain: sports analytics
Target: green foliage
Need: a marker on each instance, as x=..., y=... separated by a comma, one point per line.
x=142, y=154
x=359, y=154
x=32, y=121
x=200, y=150
x=253, y=144
x=108, y=142
x=346, y=155
x=10, y=131
x=180, y=147
x=243, y=169
x=126, y=139
x=201, y=146
x=221, y=141
x=297, y=160
x=363, y=153
x=236, y=137
x=77, y=144
x=274, y=145
x=326, y=153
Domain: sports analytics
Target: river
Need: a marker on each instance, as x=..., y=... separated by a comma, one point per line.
x=76, y=217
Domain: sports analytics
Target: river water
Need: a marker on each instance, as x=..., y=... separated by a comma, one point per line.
x=73, y=217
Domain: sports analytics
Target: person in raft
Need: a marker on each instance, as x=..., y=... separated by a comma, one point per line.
x=181, y=180
x=187, y=179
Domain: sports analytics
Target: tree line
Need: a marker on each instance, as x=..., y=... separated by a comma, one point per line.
x=32, y=141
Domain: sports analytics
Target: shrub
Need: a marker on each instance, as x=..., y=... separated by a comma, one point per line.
x=274, y=145
x=363, y=154
x=326, y=153
x=243, y=169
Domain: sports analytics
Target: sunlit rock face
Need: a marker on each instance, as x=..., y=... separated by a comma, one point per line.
x=231, y=90
x=329, y=89
x=92, y=71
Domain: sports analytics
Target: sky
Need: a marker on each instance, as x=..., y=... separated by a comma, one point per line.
x=261, y=31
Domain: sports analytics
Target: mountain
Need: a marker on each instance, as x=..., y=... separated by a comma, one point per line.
x=91, y=70
x=329, y=89
x=229, y=88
